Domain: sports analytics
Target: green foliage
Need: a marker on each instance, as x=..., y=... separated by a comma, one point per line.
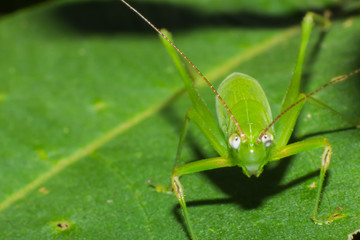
x=90, y=110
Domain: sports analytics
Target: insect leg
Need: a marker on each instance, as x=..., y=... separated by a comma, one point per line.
x=194, y=167
x=286, y=127
x=201, y=114
x=184, y=71
x=286, y=124
x=303, y=146
x=206, y=130
x=292, y=92
x=307, y=25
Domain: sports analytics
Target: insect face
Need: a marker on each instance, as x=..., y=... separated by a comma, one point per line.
x=250, y=155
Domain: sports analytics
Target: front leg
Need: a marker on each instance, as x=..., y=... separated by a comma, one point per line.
x=193, y=167
x=303, y=146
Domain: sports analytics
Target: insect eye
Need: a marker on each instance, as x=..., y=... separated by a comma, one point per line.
x=267, y=139
x=234, y=141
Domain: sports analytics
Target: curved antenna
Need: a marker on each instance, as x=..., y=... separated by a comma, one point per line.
x=333, y=81
x=192, y=65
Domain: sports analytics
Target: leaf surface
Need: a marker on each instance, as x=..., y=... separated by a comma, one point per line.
x=91, y=108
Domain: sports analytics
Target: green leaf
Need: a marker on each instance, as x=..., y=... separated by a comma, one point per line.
x=91, y=108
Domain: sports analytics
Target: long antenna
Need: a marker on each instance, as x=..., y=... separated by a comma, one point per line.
x=242, y=135
x=333, y=81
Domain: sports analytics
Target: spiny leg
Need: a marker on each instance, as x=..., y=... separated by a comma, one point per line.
x=197, y=166
x=193, y=167
x=189, y=114
x=183, y=133
x=303, y=146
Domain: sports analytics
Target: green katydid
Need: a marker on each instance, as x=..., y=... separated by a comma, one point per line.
x=244, y=133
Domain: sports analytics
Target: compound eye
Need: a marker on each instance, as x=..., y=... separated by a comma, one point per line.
x=267, y=139
x=234, y=141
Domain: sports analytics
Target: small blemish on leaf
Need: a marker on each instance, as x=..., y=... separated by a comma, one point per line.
x=12, y=70
x=82, y=52
x=66, y=130
x=355, y=235
x=159, y=188
x=62, y=225
x=308, y=116
x=335, y=215
x=99, y=105
x=109, y=201
x=43, y=190
x=169, y=70
x=348, y=23
x=138, y=155
x=42, y=154
x=312, y=185
x=2, y=97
